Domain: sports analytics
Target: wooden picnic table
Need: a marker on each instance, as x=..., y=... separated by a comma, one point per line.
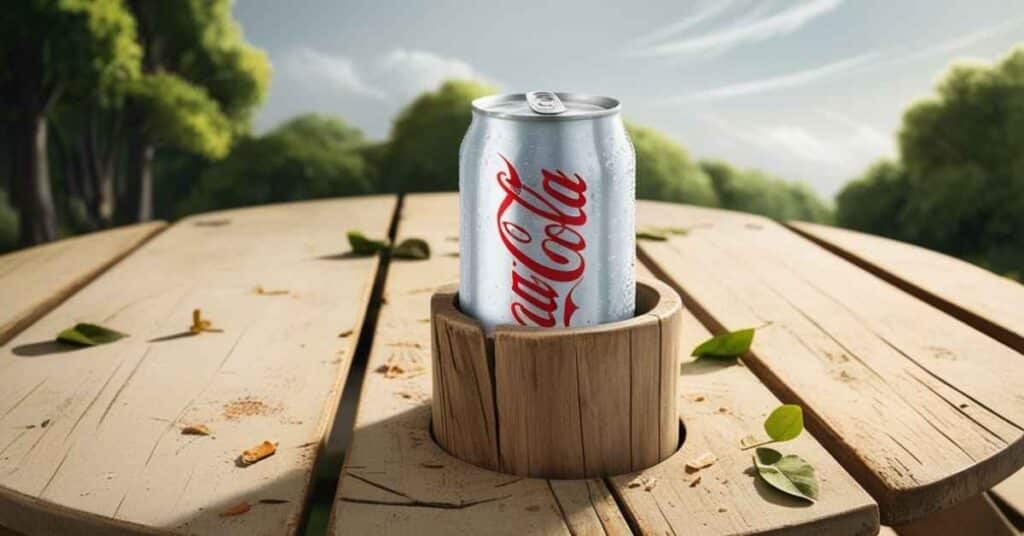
x=904, y=361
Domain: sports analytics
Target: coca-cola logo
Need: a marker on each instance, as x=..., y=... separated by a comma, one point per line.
x=554, y=215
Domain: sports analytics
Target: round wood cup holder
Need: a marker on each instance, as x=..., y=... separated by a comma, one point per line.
x=558, y=403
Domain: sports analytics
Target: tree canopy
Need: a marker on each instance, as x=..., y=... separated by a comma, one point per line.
x=308, y=157
x=759, y=193
x=959, y=186
x=665, y=172
x=423, y=154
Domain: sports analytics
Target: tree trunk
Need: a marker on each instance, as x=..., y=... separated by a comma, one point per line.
x=139, y=183
x=31, y=181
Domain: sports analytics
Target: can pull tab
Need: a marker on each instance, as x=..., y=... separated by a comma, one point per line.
x=545, y=102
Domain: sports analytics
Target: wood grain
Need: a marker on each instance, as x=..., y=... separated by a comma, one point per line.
x=720, y=403
x=990, y=303
x=396, y=479
x=90, y=439
x=35, y=280
x=921, y=408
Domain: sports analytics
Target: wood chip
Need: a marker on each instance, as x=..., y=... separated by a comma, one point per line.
x=695, y=480
x=749, y=441
x=259, y=452
x=346, y=333
x=196, y=429
x=698, y=398
x=646, y=482
x=236, y=510
x=199, y=324
x=45, y=423
x=701, y=462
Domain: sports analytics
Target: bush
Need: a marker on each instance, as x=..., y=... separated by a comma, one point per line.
x=664, y=171
x=759, y=193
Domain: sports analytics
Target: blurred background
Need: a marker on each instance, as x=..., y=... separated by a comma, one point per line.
x=904, y=119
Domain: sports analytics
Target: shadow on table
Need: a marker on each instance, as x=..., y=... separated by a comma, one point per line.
x=44, y=348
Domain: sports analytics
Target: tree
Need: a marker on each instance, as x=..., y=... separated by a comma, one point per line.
x=965, y=164
x=665, y=172
x=49, y=47
x=423, y=154
x=874, y=203
x=201, y=82
x=8, y=225
x=756, y=192
x=959, y=187
x=307, y=157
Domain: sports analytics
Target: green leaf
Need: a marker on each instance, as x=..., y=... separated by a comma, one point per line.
x=365, y=246
x=89, y=335
x=412, y=248
x=651, y=234
x=726, y=345
x=789, y=474
x=785, y=423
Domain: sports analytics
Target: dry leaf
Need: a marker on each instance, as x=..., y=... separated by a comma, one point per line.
x=259, y=452
x=260, y=291
x=200, y=325
x=236, y=510
x=701, y=462
x=196, y=429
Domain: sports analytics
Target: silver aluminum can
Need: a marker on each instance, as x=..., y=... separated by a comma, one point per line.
x=547, y=199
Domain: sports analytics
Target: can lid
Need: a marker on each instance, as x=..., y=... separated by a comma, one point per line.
x=546, y=106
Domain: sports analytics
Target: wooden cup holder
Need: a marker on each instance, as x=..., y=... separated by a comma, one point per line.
x=558, y=403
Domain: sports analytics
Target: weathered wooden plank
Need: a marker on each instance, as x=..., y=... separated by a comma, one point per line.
x=34, y=280
x=720, y=403
x=991, y=303
x=921, y=408
x=90, y=439
x=396, y=479
x=976, y=516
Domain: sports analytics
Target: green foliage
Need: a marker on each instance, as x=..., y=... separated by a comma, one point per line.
x=89, y=335
x=756, y=192
x=726, y=346
x=789, y=474
x=365, y=246
x=960, y=185
x=665, y=172
x=785, y=422
x=307, y=157
x=8, y=224
x=182, y=115
x=423, y=154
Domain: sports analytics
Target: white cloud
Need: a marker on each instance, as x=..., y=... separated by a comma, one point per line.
x=405, y=73
x=798, y=78
x=337, y=72
x=779, y=24
x=398, y=75
x=957, y=43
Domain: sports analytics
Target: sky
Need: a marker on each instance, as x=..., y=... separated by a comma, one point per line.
x=809, y=90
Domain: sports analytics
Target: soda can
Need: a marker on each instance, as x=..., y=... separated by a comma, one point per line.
x=547, y=202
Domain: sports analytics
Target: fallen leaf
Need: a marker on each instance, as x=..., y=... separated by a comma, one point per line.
x=412, y=248
x=236, y=510
x=789, y=474
x=650, y=234
x=701, y=462
x=726, y=346
x=260, y=291
x=196, y=429
x=259, y=452
x=785, y=423
x=365, y=246
x=84, y=334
